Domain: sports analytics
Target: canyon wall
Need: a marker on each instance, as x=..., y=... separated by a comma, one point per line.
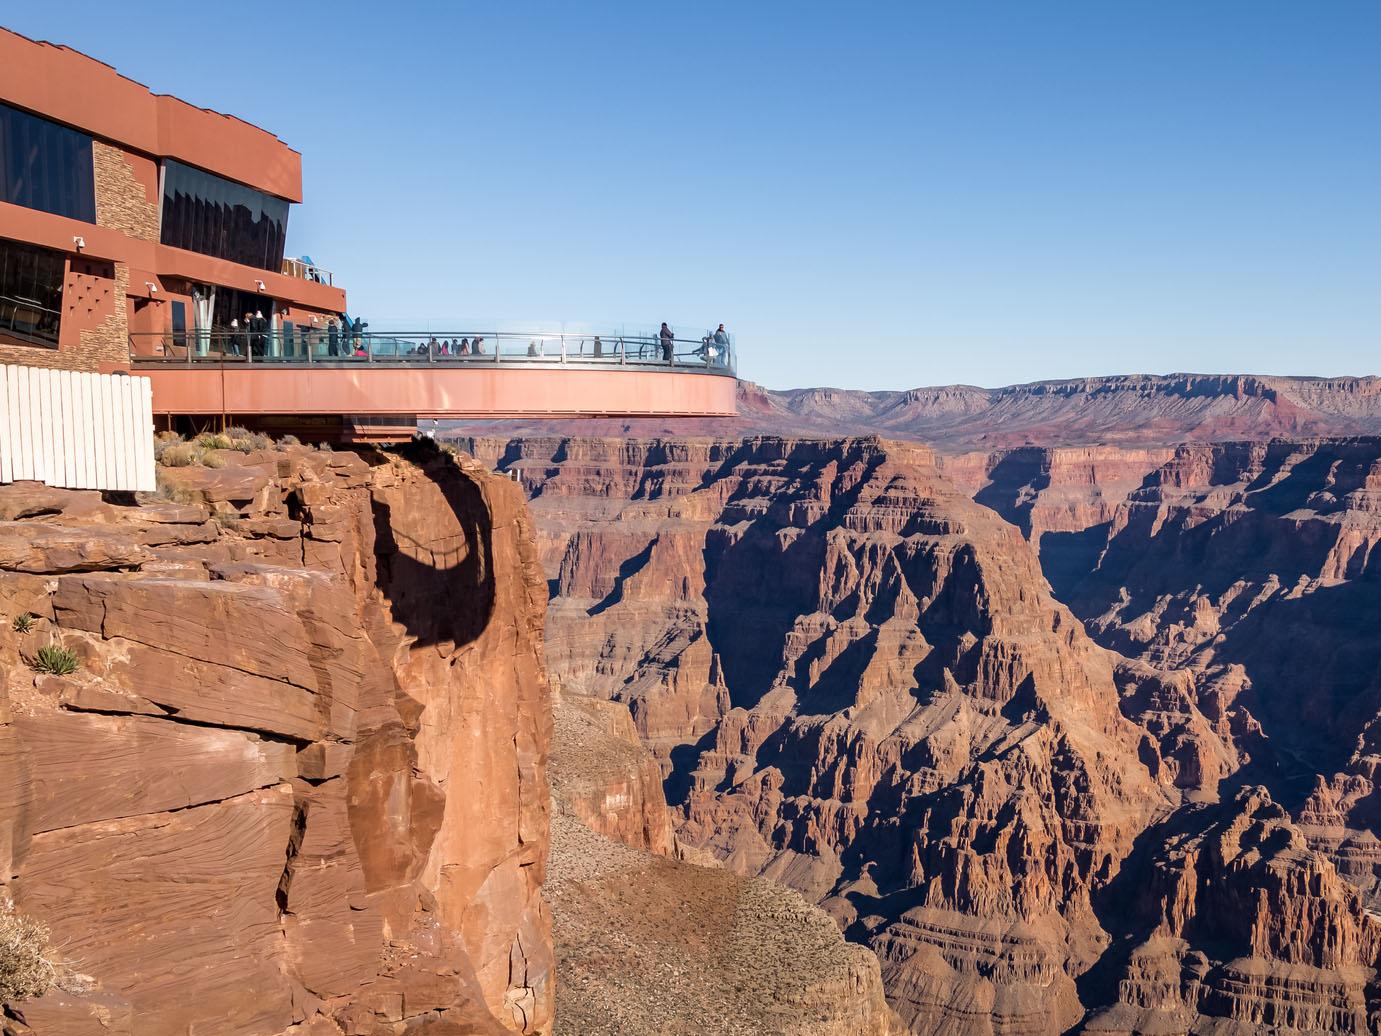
x=1238, y=580
x=1250, y=570
x=297, y=783
x=856, y=681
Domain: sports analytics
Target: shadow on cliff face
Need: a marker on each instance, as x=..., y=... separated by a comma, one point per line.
x=758, y=581
x=1315, y=677
x=435, y=564
x=1068, y=557
x=1013, y=485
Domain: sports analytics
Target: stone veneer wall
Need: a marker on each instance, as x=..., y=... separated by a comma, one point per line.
x=108, y=341
x=122, y=203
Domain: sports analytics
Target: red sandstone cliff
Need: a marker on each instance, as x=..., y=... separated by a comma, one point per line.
x=298, y=784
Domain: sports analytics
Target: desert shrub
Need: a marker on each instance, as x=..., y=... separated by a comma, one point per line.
x=181, y=455
x=324, y=447
x=237, y=431
x=289, y=440
x=226, y=520
x=26, y=967
x=60, y=661
x=214, y=441
x=213, y=460
x=23, y=623
x=251, y=441
x=163, y=442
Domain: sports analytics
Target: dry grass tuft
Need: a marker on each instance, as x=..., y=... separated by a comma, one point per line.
x=26, y=966
x=215, y=441
x=180, y=455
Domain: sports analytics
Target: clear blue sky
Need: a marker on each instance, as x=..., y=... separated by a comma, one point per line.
x=870, y=195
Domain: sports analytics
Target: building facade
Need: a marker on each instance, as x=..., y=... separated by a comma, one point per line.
x=132, y=221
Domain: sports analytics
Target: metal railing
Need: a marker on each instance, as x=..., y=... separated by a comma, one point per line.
x=310, y=345
x=29, y=319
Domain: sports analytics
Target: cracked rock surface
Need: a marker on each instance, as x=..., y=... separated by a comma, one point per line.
x=298, y=783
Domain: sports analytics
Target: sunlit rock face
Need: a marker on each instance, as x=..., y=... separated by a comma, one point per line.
x=298, y=784
x=1240, y=581
x=857, y=681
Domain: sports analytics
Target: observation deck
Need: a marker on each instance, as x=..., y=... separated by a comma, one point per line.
x=377, y=385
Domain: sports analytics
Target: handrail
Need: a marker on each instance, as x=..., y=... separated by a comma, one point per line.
x=311, y=344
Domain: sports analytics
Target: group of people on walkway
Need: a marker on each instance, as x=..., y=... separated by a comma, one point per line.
x=451, y=347
x=257, y=336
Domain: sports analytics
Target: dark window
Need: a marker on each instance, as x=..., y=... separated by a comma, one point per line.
x=45, y=166
x=179, y=323
x=206, y=213
x=30, y=294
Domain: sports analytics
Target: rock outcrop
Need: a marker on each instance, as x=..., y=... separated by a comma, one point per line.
x=298, y=781
x=1243, y=930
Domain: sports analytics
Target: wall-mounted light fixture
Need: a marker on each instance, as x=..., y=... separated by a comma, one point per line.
x=259, y=285
x=153, y=288
x=79, y=242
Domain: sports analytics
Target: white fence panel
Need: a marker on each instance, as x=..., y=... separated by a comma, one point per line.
x=76, y=430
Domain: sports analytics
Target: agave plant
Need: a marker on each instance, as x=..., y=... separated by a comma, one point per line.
x=23, y=623
x=59, y=661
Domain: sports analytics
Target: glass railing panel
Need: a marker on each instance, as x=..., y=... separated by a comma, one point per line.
x=310, y=344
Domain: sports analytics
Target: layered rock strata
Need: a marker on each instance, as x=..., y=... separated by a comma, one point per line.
x=856, y=681
x=298, y=782
x=857, y=685
x=1239, y=580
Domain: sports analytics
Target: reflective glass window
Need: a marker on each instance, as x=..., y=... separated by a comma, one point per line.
x=30, y=294
x=209, y=214
x=46, y=166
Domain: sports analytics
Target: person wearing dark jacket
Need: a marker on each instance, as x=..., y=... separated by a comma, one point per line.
x=668, y=343
x=260, y=340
